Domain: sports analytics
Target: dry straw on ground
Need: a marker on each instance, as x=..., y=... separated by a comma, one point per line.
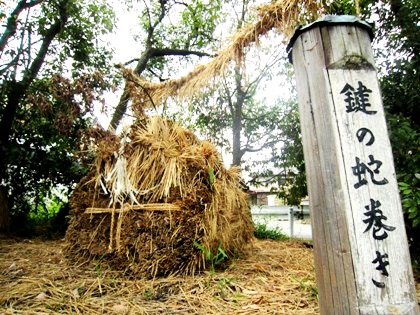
x=157, y=201
x=277, y=278
x=35, y=278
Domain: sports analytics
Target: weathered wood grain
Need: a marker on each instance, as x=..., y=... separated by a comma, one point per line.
x=326, y=60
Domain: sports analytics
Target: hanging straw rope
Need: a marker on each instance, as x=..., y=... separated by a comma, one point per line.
x=284, y=16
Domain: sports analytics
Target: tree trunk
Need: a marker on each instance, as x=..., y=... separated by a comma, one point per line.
x=237, y=119
x=4, y=210
x=121, y=108
x=15, y=93
x=236, y=140
x=237, y=153
x=148, y=54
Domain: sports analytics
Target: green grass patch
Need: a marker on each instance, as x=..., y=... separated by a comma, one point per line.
x=261, y=231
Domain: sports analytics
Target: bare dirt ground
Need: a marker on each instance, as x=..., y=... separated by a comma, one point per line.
x=276, y=278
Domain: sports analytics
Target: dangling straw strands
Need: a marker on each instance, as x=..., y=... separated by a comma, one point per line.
x=283, y=16
x=154, y=195
x=159, y=191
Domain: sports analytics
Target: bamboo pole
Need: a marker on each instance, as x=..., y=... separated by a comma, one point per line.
x=144, y=207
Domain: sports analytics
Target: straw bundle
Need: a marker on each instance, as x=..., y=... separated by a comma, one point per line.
x=283, y=16
x=154, y=193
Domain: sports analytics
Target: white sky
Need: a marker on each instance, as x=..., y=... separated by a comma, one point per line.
x=126, y=48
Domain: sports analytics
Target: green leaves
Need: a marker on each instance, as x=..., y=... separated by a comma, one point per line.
x=185, y=25
x=89, y=20
x=411, y=200
x=199, y=19
x=48, y=115
x=211, y=178
x=347, y=7
x=215, y=259
x=405, y=140
x=49, y=131
x=263, y=232
x=398, y=28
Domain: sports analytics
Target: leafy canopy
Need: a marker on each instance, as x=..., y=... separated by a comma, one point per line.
x=52, y=68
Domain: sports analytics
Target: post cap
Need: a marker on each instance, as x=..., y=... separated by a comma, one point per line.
x=329, y=20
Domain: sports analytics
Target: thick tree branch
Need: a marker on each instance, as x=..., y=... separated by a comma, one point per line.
x=263, y=146
x=146, y=56
x=42, y=53
x=17, y=90
x=131, y=61
x=161, y=52
x=11, y=25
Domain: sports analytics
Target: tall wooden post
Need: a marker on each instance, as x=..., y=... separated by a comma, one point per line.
x=361, y=252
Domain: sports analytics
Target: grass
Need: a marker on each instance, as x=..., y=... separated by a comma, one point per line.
x=214, y=259
x=263, y=232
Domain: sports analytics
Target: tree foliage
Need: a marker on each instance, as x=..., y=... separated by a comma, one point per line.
x=44, y=115
x=400, y=27
x=240, y=114
x=170, y=42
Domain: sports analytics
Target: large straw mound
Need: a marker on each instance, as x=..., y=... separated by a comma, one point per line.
x=154, y=196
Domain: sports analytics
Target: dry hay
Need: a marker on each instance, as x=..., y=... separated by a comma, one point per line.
x=35, y=278
x=277, y=278
x=283, y=16
x=154, y=193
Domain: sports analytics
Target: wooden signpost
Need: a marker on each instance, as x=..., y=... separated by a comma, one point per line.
x=361, y=251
